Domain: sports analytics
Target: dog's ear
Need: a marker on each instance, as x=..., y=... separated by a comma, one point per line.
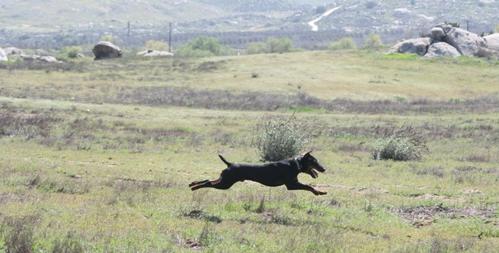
x=307, y=153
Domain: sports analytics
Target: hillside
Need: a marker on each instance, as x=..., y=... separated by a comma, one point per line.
x=223, y=15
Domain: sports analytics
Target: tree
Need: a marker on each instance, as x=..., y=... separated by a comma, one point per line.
x=256, y=48
x=203, y=47
x=373, y=42
x=156, y=45
x=279, y=45
x=343, y=44
x=108, y=37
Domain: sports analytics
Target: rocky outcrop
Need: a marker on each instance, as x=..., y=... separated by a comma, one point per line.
x=492, y=41
x=442, y=49
x=448, y=40
x=413, y=46
x=437, y=34
x=467, y=43
x=13, y=51
x=3, y=55
x=106, y=50
x=154, y=53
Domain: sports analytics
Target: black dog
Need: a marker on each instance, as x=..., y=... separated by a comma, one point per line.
x=284, y=172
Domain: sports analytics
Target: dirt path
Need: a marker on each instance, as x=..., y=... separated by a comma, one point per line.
x=313, y=24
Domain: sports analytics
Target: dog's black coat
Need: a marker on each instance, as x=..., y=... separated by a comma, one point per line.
x=273, y=174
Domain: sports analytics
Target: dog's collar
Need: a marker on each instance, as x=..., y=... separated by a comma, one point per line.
x=297, y=163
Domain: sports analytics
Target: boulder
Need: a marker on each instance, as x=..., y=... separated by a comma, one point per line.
x=412, y=46
x=13, y=51
x=492, y=41
x=442, y=49
x=154, y=53
x=38, y=58
x=106, y=50
x=48, y=59
x=437, y=34
x=467, y=43
x=3, y=55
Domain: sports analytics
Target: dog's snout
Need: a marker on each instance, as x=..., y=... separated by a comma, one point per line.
x=320, y=168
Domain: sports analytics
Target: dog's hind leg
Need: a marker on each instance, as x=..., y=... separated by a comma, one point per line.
x=221, y=184
x=198, y=182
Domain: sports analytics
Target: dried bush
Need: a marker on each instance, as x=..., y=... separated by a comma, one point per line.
x=69, y=244
x=17, y=234
x=401, y=144
x=280, y=138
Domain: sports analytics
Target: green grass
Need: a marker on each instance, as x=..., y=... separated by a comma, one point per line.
x=115, y=175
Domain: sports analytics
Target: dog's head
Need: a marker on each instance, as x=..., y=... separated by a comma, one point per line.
x=311, y=165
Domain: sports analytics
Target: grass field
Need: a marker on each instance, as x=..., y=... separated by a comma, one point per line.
x=99, y=154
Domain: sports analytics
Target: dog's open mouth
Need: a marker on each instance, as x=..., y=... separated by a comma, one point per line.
x=313, y=173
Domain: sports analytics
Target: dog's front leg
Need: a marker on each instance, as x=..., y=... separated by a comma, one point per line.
x=299, y=186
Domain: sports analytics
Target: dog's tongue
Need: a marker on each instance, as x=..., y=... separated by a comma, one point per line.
x=314, y=174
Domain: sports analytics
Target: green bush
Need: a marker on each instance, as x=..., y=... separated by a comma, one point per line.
x=403, y=144
x=346, y=43
x=108, y=37
x=203, y=47
x=271, y=45
x=70, y=52
x=280, y=138
x=156, y=45
x=256, y=48
x=373, y=42
x=279, y=45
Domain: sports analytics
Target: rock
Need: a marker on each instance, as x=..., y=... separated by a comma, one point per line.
x=41, y=52
x=3, y=55
x=154, y=53
x=48, y=59
x=13, y=51
x=38, y=58
x=442, y=49
x=437, y=34
x=492, y=41
x=412, y=46
x=106, y=50
x=467, y=43
x=402, y=12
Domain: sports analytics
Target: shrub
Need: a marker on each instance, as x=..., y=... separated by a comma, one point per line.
x=203, y=47
x=280, y=138
x=70, y=244
x=70, y=52
x=373, y=42
x=256, y=48
x=497, y=29
x=279, y=45
x=403, y=144
x=18, y=234
x=343, y=44
x=271, y=45
x=108, y=37
x=156, y=45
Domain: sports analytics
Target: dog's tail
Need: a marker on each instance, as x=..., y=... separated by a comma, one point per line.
x=225, y=161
